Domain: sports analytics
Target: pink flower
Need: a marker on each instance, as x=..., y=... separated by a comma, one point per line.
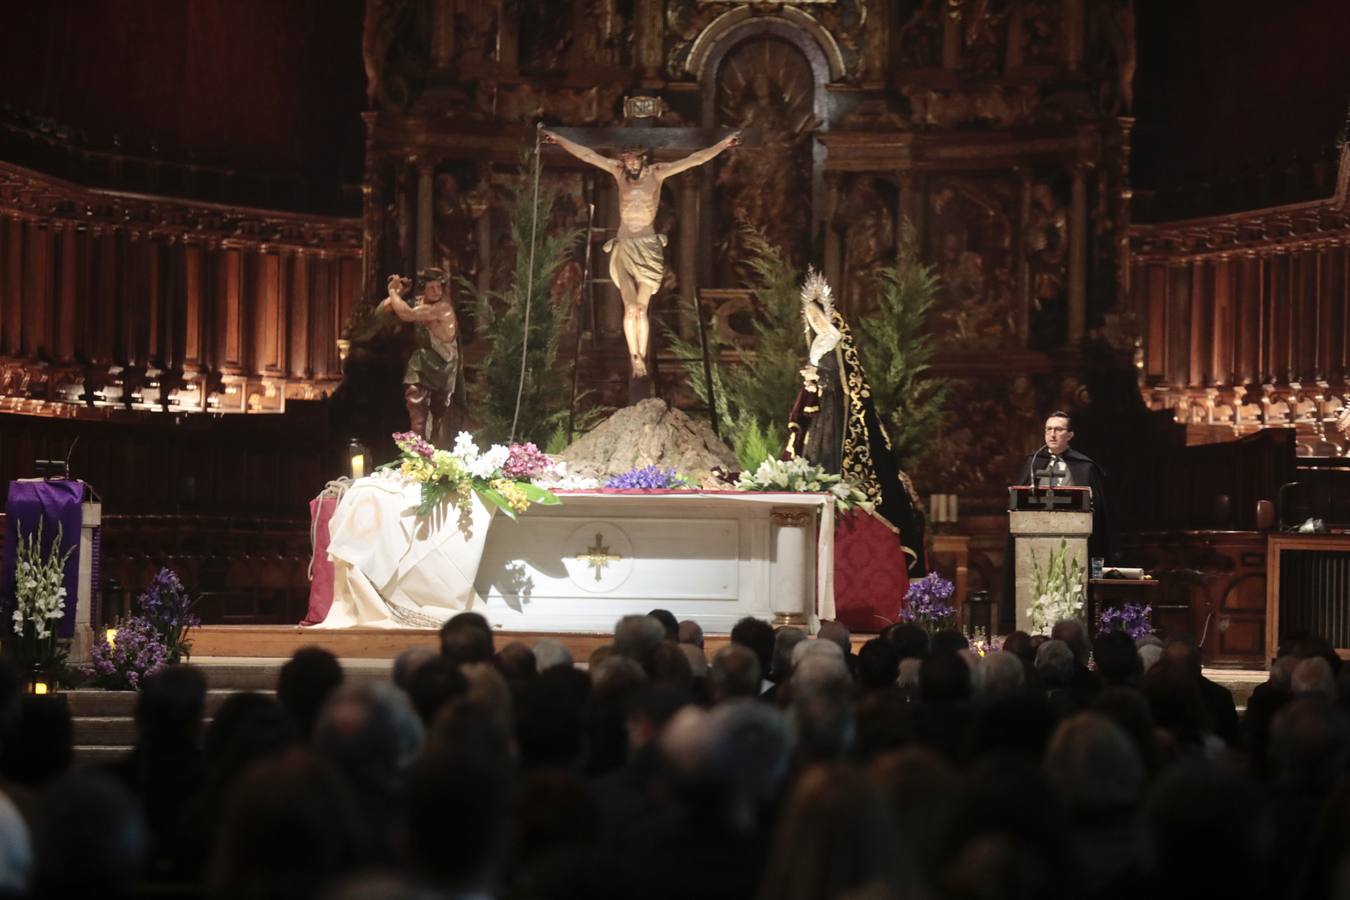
x=525, y=461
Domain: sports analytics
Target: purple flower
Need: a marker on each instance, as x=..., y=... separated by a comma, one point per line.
x=137, y=651
x=526, y=461
x=1131, y=618
x=167, y=607
x=649, y=478
x=926, y=602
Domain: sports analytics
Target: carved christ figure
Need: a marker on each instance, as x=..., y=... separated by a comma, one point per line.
x=636, y=262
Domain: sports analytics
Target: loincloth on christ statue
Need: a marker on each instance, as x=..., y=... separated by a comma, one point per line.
x=642, y=259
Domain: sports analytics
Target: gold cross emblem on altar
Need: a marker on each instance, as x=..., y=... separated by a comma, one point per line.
x=598, y=556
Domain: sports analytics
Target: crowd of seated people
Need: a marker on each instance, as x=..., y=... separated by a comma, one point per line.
x=785, y=766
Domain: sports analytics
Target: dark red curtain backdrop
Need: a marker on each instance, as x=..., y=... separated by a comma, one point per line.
x=271, y=86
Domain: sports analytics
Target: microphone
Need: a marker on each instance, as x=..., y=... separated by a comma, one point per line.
x=1031, y=467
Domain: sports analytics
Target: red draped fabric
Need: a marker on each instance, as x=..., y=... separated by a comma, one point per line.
x=869, y=573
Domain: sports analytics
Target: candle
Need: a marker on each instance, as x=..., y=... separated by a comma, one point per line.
x=111, y=636
x=359, y=466
x=40, y=687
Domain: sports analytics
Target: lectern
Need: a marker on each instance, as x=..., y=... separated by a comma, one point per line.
x=1039, y=518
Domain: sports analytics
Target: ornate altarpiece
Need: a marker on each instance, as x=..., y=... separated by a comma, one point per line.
x=998, y=128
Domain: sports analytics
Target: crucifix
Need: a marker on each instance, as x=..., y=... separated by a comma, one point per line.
x=637, y=262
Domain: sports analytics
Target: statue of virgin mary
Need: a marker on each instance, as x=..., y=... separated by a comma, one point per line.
x=834, y=423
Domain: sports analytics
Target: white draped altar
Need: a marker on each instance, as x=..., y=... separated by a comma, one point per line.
x=713, y=557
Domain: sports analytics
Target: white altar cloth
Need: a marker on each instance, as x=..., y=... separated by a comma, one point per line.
x=709, y=556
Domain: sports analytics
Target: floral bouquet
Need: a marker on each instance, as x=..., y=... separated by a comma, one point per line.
x=39, y=600
x=153, y=637
x=1057, y=590
x=1131, y=618
x=648, y=478
x=926, y=603
x=500, y=476
x=133, y=652
x=800, y=475
x=167, y=606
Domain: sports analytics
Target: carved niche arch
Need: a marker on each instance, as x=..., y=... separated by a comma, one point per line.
x=783, y=98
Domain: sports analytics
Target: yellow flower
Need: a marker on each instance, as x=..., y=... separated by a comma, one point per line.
x=513, y=494
x=419, y=470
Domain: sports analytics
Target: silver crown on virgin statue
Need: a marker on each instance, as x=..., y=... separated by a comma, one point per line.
x=816, y=290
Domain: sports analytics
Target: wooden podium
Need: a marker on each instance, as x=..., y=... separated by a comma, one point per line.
x=1039, y=518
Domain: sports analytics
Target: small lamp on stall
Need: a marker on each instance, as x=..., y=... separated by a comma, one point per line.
x=358, y=459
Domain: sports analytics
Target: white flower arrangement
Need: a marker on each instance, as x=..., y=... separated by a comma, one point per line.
x=39, y=598
x=1058, y=591
x=799, y=475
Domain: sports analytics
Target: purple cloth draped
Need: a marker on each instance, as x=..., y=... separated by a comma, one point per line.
x=53, y=503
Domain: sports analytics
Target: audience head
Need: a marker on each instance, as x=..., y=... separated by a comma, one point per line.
x=247, y=727
x=516, y=662
x=42, y=740
x=1054, y=664
x=370, y=731
x=408, y=662
x=16, y=850
x=550, y=653
x=785, y=640
x=1019, y=644
x=169, y=707
x=690, y=632
x=1312, y=677
x=1094, y=767
x=1185, y=654
x=836, y=633
x=550, y=714
x=89, y=838
x=821, y=712
x=1117, y=659
x=1310, y=742
x=457, y=820
x=878, y=665
x=948, y=640
x=734, y=674
x=836, y=839
x=1000, y=674
x=305, y=682
x=467, y=638
x=434, y=684
x=487, y=687
x=698, y=663
x=1074, y=633
x=670, y=669
x=637, y=638
x=759, y=636
x=909, y=639
x=1197, y=813
x=668, y=622
x=1149, y=655
x=1174, y=698
x=944, y=678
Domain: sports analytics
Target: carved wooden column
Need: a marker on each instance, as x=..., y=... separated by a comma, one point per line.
x=442, y=33
x=650, y=28
x=1078, y=255
x=833, y=251
x=425, y=208
x=1023, y=267
x=951, y=35
x=1073, y=34
x=68, y=293
x=688, y=261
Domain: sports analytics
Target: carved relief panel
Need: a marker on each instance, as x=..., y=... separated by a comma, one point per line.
x=970, y=235
x=765, y=85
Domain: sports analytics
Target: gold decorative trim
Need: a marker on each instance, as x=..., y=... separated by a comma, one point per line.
x=791, y=517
